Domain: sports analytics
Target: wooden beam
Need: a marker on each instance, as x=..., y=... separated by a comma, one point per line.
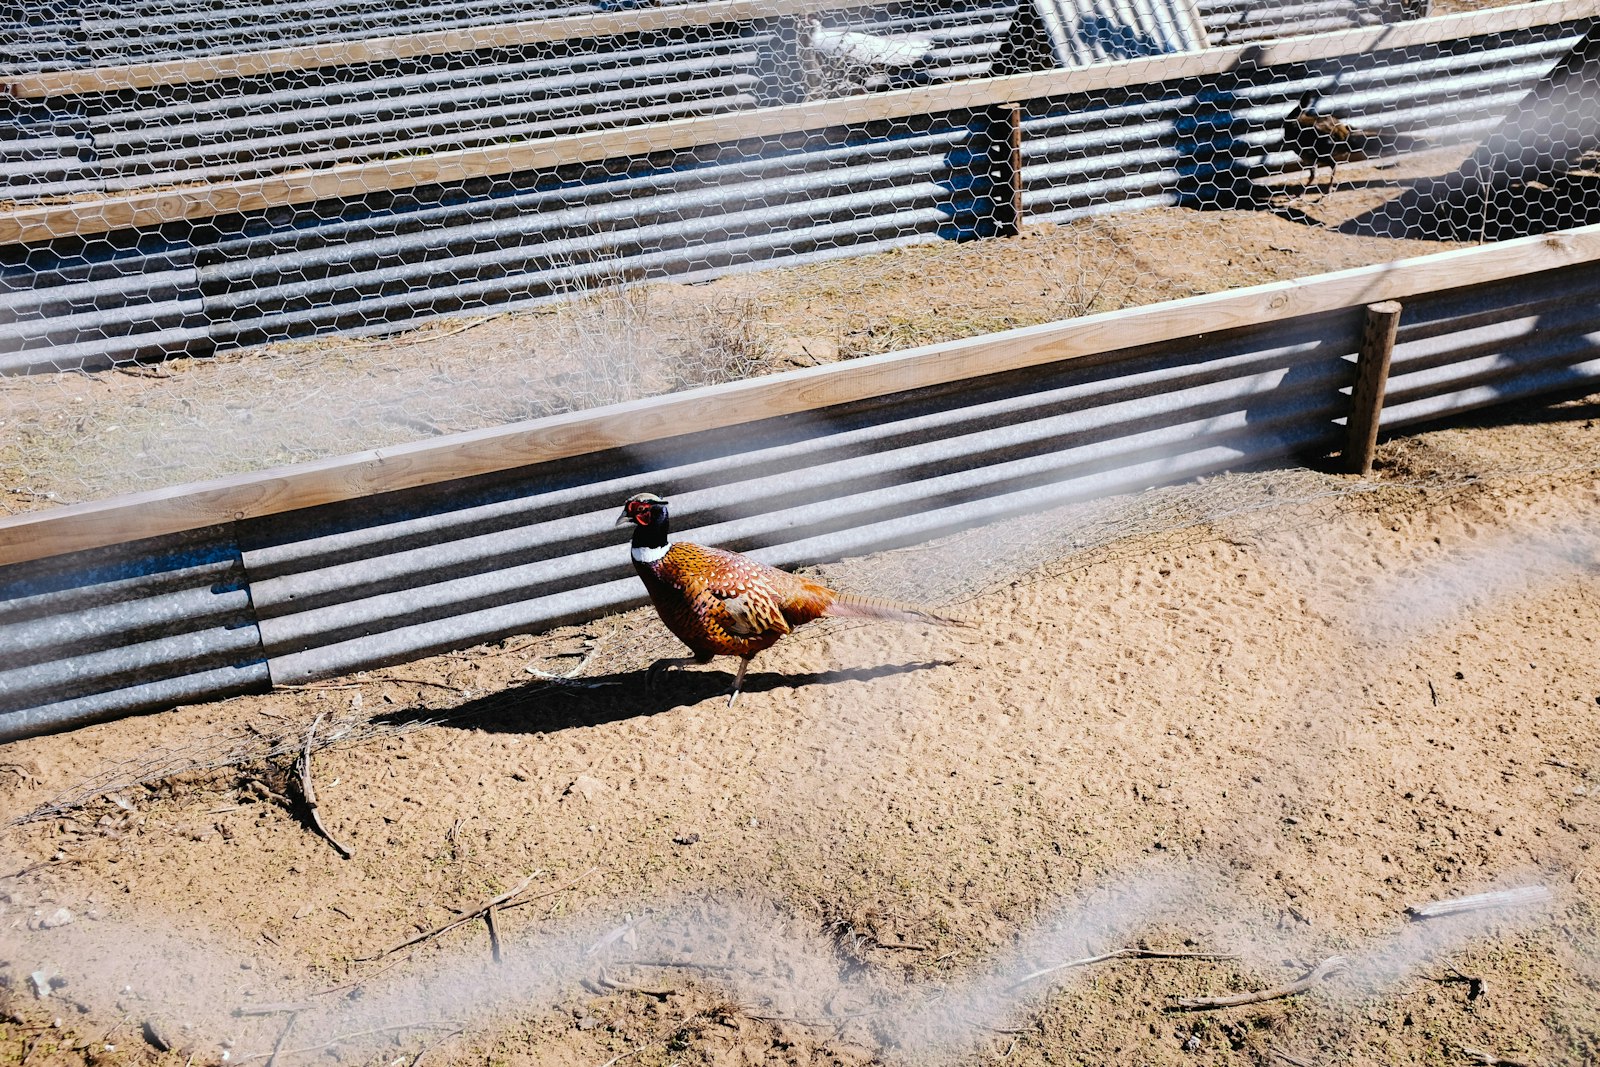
x=1372, y=379
x=128, y=518
x=25, y=225
x=1005, y=169
x=407, y=45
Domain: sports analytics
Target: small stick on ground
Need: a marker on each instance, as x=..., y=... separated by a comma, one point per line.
x=1475, y=986
x=1121, y=954
x=429, y=1048
x=1487, y=1058
x=360, y=981
x=459, y=920
x=568, y=678
x=552, y=892
x=1522, y=896
x=494, y=934
x=690, y=965
x=605, y=980
x=1328, y=967
x=272, y=1009
x=282, y=1037
x=344, y=1037
x=1294, y=1061
x=309, y=791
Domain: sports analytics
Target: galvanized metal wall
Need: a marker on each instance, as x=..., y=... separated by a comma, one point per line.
x=393, y=259
x=335, y=588
x=87, y=34
x=212, y=131
x=320, y=116
x=1241, y=21
x=1083, y=32
x=1468, y=349
x=109, y=632
x=1205, y=142
x=546, y=236
x=341, y=588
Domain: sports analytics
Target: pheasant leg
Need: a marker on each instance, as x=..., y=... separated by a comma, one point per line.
x=738, y=680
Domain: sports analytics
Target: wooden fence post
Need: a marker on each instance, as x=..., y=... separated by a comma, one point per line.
x=1372, y=378
x=1005, y=168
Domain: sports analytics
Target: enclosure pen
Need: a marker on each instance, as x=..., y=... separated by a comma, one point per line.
x=433, y=212
x=348, y=563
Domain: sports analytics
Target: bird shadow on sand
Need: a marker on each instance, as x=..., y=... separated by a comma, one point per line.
x=543, y=706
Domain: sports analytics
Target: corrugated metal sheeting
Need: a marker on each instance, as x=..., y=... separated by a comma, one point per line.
x=1205, y=142
x=1458, y=350
x=1240, y=21
x=316, y=117
x=392, y=259
x=335, y=588
x=64, y=35
x=1082, y=32
x=740, y=204
x=108, y=632
x=324, y=116
x=335, y=594
x=38, y=35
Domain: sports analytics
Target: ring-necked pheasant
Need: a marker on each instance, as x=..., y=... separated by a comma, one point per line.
x=724, y=604
x=1322, y=138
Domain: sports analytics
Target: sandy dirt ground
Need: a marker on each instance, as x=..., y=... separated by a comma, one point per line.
x=1247, y=722
x=1232, y=730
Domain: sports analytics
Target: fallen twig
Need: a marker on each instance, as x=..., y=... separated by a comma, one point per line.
x=1122, y=954
x=283, y=1036
x=272, y=1009
x=1294, y=1061
x=552, y=892
x=398, y=680
x=1489, y=1059
x=459, y=920
x=688, y=965
x=1328, y=967
x=308, y=791
x=605, y=980
x=569, y=677
x=342, y=1037
x=358, y=983
x=40, y=866
x=494, y=934
x=429, y=1048
x=1522, y=896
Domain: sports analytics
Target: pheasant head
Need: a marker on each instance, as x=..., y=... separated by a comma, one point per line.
x=647, y=514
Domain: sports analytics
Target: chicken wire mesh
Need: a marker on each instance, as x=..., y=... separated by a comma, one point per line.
x=238, y=239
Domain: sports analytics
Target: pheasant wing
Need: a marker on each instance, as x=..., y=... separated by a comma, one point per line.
x=750, y=599
x=750, y=615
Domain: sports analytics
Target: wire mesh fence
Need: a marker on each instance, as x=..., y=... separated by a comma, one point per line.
x=219, y=221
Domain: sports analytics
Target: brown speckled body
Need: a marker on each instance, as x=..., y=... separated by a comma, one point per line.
x=724, y=604
x=1321, y=139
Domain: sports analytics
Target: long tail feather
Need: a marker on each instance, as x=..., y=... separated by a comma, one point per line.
x=849, y=605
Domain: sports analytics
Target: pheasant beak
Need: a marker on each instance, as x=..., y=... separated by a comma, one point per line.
x=624, y=519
